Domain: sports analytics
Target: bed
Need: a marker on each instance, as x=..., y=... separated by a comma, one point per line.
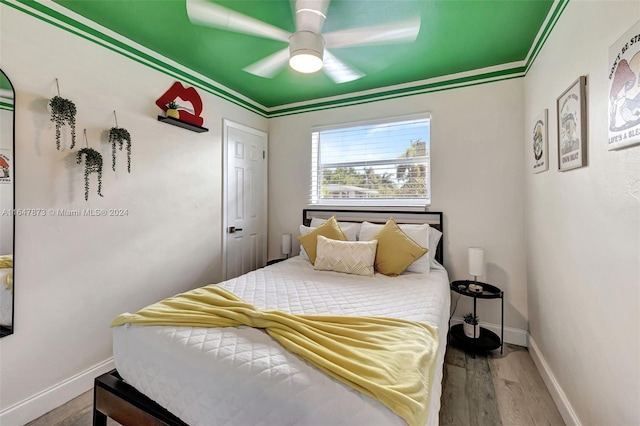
x=241, y=376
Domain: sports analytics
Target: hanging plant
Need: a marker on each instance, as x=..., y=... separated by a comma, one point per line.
x=92, y=164
x=118, y=136
x=63, y=111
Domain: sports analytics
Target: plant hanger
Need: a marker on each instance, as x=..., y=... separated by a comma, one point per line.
x=92, y=164
x=118, y=136
x=63, y=111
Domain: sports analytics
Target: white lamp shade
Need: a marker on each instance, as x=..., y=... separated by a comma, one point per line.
x=286, y=243
x=476, y=261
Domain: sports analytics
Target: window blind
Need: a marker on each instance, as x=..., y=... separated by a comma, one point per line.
x=382, y=163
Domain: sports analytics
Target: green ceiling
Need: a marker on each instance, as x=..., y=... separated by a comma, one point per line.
x=6, y=93
x=455, y=36
x=5, y=83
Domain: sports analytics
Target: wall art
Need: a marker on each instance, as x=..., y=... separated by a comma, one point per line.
x=186, y=94
x=624, y=90
x=540, y=143
x=572, y=126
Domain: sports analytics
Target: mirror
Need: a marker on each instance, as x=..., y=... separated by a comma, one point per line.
x=7, y=217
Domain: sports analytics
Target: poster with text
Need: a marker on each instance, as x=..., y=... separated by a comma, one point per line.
x=624, y=90
x=540, y=144
x=572, y=126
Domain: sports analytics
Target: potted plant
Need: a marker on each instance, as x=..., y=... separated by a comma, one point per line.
x=117, y=137
x=92, y=164
x=63, y=111
x=172, y=110
x=471, y=323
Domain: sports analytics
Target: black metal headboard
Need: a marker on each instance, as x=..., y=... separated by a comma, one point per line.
x=434, y=219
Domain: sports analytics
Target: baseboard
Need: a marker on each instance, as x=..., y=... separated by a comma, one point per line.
x=515, y=336
x=559, y=397
x=41, y=403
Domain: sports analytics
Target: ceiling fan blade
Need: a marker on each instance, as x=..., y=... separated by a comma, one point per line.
x=310, y=14
x=339, y=71
x=213, y=15
x=269, y=66
x=397, y=32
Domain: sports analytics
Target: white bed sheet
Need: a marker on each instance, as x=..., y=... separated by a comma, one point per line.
x=241, y=376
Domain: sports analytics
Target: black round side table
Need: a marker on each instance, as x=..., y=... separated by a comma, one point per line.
x=487, y=340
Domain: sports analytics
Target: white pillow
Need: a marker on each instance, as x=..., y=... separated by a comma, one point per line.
x=348, y=231
x=434, y=240
x=350, y=257
x=418, y=233
x=304, y=230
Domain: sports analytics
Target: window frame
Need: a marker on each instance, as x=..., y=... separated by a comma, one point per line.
x=315, y=188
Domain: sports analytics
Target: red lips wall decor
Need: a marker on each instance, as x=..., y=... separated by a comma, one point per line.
x=179, y=92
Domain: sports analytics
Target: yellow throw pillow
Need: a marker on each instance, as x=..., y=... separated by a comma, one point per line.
x=330, y=229
x=396, y=251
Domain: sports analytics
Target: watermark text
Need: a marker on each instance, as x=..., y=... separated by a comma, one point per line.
x=65, y=212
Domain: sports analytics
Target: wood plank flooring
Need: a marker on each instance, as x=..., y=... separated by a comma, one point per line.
x=495, y=389
x=77, y=412
x=490, y=390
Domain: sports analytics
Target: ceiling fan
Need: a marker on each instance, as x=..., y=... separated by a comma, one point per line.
x=307, y=51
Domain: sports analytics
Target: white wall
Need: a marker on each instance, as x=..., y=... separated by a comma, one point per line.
x=75, y=274
x=477, y=179
x=584, y=229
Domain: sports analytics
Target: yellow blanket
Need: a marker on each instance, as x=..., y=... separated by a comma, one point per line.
x=391, y=360
x=6, y=262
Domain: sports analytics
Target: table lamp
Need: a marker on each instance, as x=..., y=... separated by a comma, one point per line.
x=476, y=267
x=286, y=245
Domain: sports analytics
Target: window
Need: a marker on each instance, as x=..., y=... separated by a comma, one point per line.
x=382, y=163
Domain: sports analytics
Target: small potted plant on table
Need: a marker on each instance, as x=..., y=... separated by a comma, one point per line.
x=471, y=323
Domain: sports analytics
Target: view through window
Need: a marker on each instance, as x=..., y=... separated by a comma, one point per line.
x=383, y=163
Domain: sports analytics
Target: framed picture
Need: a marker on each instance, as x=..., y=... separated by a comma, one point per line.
x=572, y=126
x=624, y=91
x=540, y=143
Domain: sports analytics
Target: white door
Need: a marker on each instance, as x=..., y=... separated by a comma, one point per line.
x=245, y=199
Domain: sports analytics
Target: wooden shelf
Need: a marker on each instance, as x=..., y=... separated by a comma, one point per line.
x=183, y=124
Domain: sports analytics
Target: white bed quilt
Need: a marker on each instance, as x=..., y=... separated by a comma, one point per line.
x=241, y=376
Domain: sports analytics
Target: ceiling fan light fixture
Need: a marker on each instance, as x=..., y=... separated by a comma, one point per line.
x=306, y=63
x=306, y=51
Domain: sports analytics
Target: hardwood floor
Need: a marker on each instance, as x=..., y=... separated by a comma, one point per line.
x=490, y=390
x=77, y=412
x=495, y=389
